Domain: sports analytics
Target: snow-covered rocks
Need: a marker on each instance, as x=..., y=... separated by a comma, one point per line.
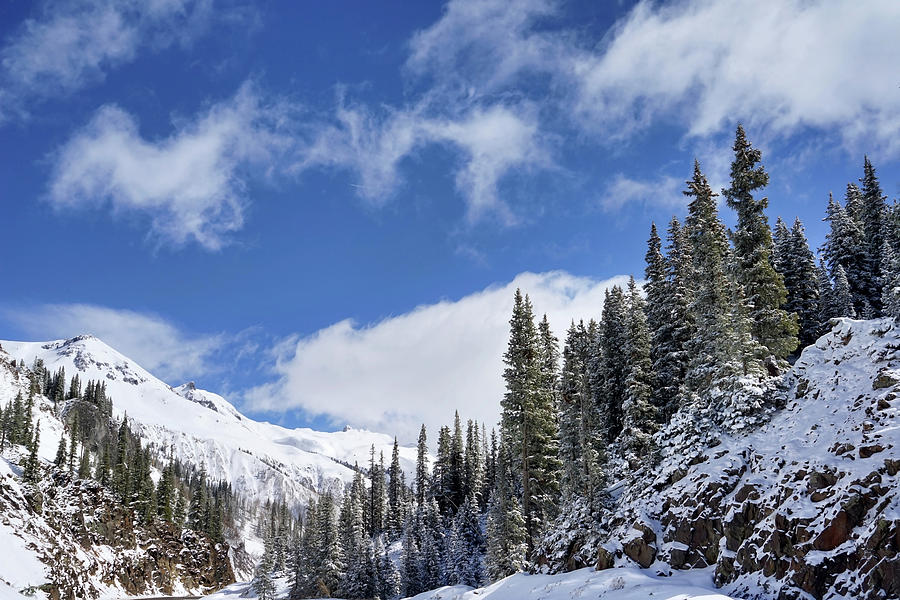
x=809, y=503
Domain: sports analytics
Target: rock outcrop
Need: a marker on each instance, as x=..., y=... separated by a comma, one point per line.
x=806, y=506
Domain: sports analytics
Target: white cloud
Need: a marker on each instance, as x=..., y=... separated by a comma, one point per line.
x=493, y=141
x=779, y=66
x=191, y=184
x=420, y=366
x=662, y=191
x=74, y=43
x=154, y=343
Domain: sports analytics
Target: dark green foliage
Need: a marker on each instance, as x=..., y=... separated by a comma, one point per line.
x=762, y=287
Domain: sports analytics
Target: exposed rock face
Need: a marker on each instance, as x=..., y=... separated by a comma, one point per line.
x=88, y=540
x=808, y=505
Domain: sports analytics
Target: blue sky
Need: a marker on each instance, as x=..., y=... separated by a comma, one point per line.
x=321, y=209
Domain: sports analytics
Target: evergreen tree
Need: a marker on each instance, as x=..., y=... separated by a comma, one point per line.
x=395, y=493
x=507, y=536
x=528, y=419
x=466, y=547
x=611, y=365
x=801, y=279
x=670, y=342
x=640, y=418
x=60, y=460
x=844, y=244
x=422, y=483
x=31, y=472
x=579, y=445
x=890, y=277
x=721, y=348
x=262, y=583
x=763, y=288
x=872, y=218
x=843, y=297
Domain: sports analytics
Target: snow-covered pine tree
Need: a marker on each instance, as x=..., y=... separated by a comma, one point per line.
x=528, y=419
x=609, y=365
x=422, y=483
x=670, y=343
x=396, y=487
x=387, y=578
x=507, y=536
x=801, y=279
x=872, y=219
x=762, y=285
x=640, y=419
x=659, y=312
x=844, y=244
x=578, y=443
x=722, y=351
x=842, y=304
x=466, y=547
x=890, y=278
x=60, y=460
x=262, y=584
x=32, y=472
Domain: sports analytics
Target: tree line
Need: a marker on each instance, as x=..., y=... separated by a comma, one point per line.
x=668, y=367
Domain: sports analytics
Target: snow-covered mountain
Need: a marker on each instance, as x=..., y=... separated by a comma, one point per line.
x=260, y=460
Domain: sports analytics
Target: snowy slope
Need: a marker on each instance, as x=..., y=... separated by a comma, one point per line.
x=808, y=505
x=260, y=460
x=616, y=584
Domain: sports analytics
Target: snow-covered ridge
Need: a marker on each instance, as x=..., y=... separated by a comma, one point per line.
x=261, y=460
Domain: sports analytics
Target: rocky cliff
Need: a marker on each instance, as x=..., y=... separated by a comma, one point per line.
x=808, y=505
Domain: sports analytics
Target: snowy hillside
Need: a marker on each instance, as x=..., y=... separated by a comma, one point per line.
x=260, y=460
x=807, y=504
x=621, y=584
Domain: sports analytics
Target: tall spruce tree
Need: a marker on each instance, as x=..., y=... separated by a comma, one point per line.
x=640, y=415
x=762, y=285
x=670, y=344
x=528, y=419
x=801, y=279
x=844, y=244
x=722, y=350
x=872, y=218
x=842, y=303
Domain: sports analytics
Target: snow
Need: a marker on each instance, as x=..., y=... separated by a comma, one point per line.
x=612, y=584
x=261, y=460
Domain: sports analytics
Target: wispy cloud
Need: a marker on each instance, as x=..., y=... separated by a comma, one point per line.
x=661, y=191
x=190, y=185
x=71, y=44
x=492, y=141
x=700, y=64
x=420, y=366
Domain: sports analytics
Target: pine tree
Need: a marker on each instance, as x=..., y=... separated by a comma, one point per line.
x=31, y=472
x=801, y=279
x=640, y=418
x=844, y=244
x=890, y=278
x=763, y=287
x=721, y=349
x=507, y=536
x=843, y=297
x=466, y=547
x=396, y=486
x=872, y=218
x=528, y=418
x=60, y=460
x=422, y=483
x=610, y=365
x=580, y=446
x=670, y=341
x=262, y=583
